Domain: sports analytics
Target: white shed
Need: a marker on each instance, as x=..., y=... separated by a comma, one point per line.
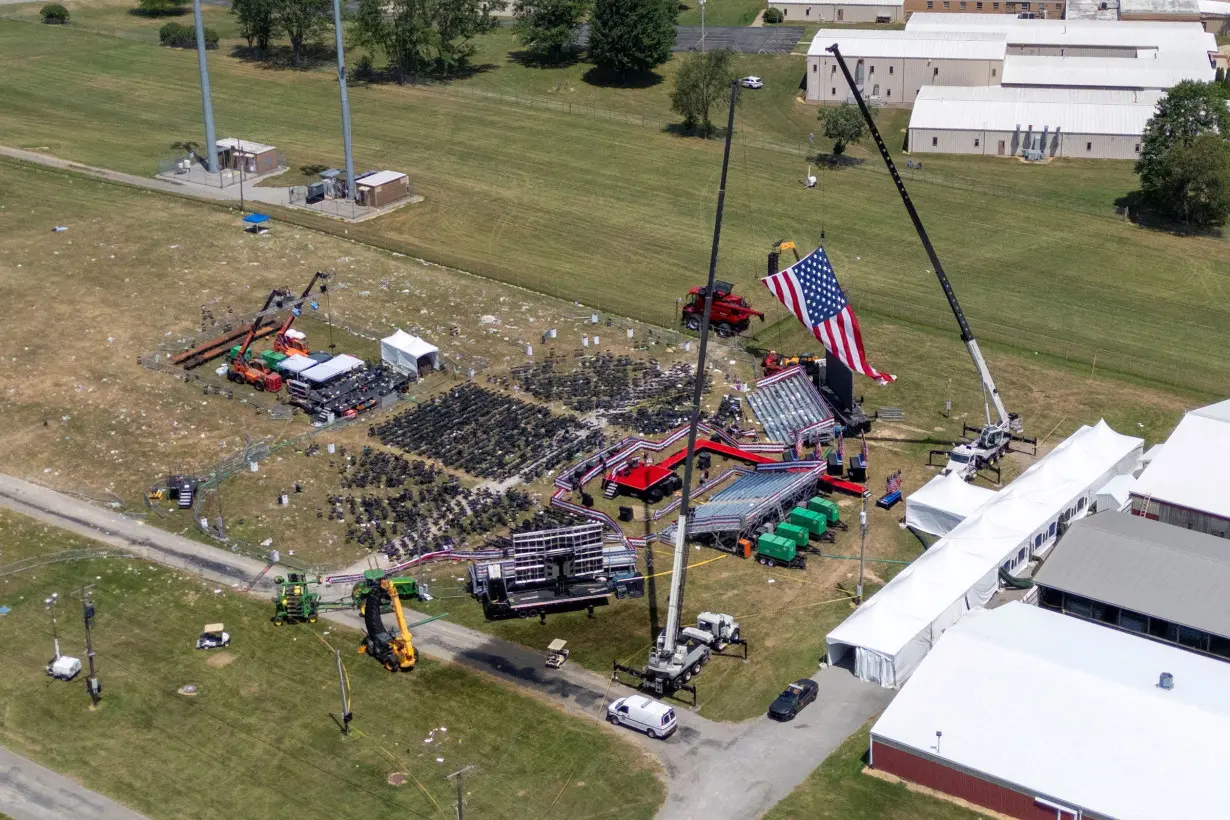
x=409, y=354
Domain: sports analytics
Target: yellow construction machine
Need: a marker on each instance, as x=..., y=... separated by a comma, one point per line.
x=394, y=650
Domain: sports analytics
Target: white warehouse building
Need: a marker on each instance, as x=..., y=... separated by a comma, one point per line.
x=840, y=11
x=1002, y=121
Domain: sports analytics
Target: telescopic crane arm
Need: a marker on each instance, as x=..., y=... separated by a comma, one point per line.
x=967, y=335
x=294, y=307
x=251, y=337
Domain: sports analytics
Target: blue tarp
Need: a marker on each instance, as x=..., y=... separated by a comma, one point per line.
x=256, y=219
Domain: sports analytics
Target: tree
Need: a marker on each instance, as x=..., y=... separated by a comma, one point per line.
x=1191, y=125
x=1191, y=182
x=404, y=34
x=703, y=82
x=302, y=21
x=256, y=22
x=772, y=16
x=844, y=125
x=157, y=8
x=628, y=37
x=548, y=28
x=456, y=24
x=54, y=14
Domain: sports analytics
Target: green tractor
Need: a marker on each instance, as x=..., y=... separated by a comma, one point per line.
x=407, y=589
x=295, y=600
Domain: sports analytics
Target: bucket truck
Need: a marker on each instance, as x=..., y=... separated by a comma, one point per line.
x=677, y=656
x=994, y=439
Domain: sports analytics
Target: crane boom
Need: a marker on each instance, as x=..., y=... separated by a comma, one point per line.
x=674, y=604
x=967, y=335
x=275, y=294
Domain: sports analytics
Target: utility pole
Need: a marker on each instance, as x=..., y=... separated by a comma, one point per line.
x=347, y=715
x=92, y=686
x=862, y=547
x=456, y=778
x=211, y=140
x=702, y=26
x=242, y=166
x=341, y=84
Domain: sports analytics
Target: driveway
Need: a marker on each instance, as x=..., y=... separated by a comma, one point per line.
x=715, y=771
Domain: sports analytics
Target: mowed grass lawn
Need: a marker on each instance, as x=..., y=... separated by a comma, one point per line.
x=258, y=735
x=603, y=210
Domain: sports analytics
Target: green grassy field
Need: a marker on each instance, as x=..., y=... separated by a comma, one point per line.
x=258, y=735
x=719, y=12
x=839, y=790
x=541, y=198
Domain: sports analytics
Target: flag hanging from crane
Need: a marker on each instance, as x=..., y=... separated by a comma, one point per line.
x=810, y=290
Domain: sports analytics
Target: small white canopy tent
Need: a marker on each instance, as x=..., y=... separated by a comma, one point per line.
x=409, y=354
x=943, y=503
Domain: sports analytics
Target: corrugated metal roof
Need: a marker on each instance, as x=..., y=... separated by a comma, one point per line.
x=1153, y=568
x=1215, y=8
x=1101, y=734
x=1193, y=469
x=1071, y=33
x=995, y=108
x=378, y=178
x=932, y=45
x=1101, y=72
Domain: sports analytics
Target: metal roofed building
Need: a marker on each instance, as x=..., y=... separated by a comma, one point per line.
x=891, y=66
x=839, y=11
x=1100, y=737
x=1159, y=10
x=997, y=120
x=1186, y=484
x=1142, y=576
x=1146, y=73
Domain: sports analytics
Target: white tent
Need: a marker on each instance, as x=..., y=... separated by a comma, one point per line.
x=1115, y=495
x=943, y=503
x=896, y=627
x=409, y=354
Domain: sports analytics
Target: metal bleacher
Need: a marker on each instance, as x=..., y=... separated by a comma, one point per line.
x=744, y=503
x=789, y=405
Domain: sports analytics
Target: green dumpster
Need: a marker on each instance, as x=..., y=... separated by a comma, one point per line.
x=272, y=357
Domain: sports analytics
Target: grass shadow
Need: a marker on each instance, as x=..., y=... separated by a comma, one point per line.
x=678, y=129
x=461, y=72
x=602, y=78
x=837, y=162
x=172, y=11
x=1133, y=207
x=280, y=57
x=534, y=59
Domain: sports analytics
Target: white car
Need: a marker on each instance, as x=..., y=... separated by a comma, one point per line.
x=657, y=720
x=752, y=82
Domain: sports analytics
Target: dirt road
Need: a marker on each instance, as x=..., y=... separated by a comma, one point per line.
x=716, y=771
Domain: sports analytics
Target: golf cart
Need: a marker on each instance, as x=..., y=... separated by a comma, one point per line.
x=213, y=637
x=557, y=653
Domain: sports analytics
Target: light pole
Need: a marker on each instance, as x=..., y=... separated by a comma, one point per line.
x=50, y=605
x=862, y=547
x=92, y=686
x=702, y=26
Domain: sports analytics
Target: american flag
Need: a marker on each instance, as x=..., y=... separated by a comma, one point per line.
x=863, y=451
x=841, y=446
x=893, y=484
x=810, y=290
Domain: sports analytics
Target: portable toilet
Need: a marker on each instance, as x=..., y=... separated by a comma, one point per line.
x=813, y=522
x=792, y=532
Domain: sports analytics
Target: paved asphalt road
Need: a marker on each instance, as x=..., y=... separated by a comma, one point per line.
x=30, y=792
x=715, y=771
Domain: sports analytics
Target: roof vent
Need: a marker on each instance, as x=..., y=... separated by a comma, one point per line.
x=1166, y=681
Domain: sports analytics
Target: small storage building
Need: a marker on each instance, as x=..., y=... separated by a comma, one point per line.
x=409, y=354
x=381, y=188
x=1035, y=715
x=250, y=157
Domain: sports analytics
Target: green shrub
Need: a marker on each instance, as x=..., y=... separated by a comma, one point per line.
x=177, y=35
x=54, y=14
x=772, y=16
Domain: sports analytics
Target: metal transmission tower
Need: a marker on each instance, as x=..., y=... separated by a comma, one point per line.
x=341, y=85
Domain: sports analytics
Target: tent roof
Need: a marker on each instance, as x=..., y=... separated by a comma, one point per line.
x=411, y=345
x=1193, y=470
x=953, y=494
x=1108, y=739
x=1118, y=488
x=920, y=593
x=339, y=364
x=1154, y=568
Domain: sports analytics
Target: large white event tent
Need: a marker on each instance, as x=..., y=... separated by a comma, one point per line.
x=890, y=633
x=409, y=354
x=942, y=503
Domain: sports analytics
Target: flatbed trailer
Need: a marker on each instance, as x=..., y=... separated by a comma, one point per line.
x=547, y=600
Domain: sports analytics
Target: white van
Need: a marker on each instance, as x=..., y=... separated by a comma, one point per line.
x=654, y=719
